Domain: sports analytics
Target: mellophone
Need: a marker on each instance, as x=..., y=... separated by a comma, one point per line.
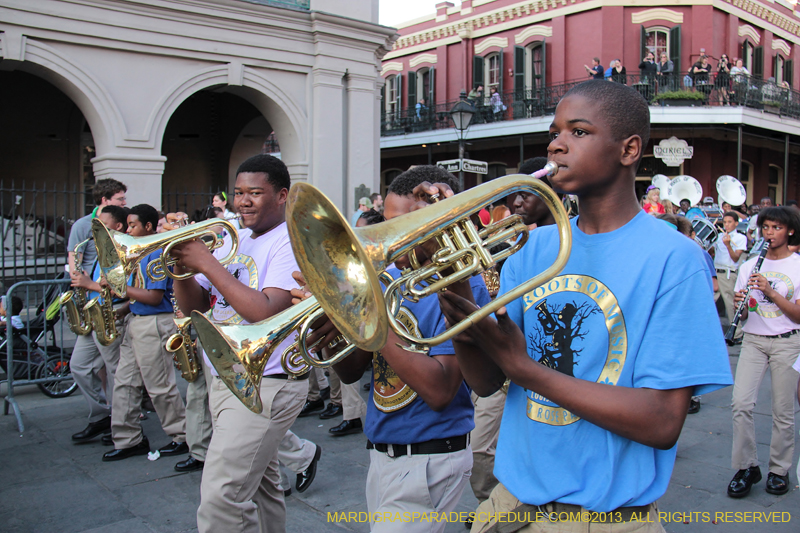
x=331, y=254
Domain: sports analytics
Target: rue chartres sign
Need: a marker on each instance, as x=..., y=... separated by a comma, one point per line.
x=673, y=151
x=467, y=165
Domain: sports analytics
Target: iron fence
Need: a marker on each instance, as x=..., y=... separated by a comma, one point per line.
x=660, y=89
x=38, y=352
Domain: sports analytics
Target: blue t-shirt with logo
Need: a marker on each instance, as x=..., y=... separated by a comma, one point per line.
x=142, y=280
x=632, y=308
x=396, y=415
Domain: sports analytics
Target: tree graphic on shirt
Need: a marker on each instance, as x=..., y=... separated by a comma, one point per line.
x=552, y=344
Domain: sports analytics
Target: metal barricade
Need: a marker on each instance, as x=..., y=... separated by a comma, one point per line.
x=39, y=352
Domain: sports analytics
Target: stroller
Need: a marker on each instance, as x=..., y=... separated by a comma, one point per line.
x=35, y=354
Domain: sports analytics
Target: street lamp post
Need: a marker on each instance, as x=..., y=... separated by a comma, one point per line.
x=461, y=114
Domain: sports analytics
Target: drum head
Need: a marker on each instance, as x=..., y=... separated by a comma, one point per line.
x=695, y=213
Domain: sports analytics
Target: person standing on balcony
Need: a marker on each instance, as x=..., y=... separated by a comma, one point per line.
x=723, y=79
x=665, y=69
x=700, y=72
x=618, y=73
x=596, y=70
x=422, y=110
x=649, y=70
x=497, y=104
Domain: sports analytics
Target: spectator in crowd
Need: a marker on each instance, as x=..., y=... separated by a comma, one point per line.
x=723, y=80
x=497, y=104
x=700, y=72
x=652, y=204
x=422, y=110
x=618, y=74
x=596, y=70
x=665, y=69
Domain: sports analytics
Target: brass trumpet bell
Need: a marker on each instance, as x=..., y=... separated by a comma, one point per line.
x=119, y=253
x=239, y=355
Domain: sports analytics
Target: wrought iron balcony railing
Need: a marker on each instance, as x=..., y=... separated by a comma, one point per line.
x=662, y=89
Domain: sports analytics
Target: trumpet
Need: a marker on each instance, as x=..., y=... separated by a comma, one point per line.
x=118, y=253
x=340, y=264
x=74, y=300
x=102, y=317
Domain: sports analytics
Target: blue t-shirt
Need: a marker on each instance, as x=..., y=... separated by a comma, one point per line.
x=138, y=308
x=396, y=415
x=623, y=299
x=710, y=264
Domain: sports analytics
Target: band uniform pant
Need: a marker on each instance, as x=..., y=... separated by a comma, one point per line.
x=348, y=396
x=726, y=287
x=198, y=414
x=295, y=454
x=483, y=440
x=502, y=501
x=759, y=354
x=415, y=483
x=88, y=359
x=240, y=490
x=316, y=382
x=144, y=361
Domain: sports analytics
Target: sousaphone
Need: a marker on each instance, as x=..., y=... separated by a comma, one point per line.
x=684, y=188
x=731, y=190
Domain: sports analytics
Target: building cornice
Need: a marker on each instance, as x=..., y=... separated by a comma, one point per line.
x=531, y=12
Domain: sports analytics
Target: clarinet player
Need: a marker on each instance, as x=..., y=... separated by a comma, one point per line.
x=771, y=341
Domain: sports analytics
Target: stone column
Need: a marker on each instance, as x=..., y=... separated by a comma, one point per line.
x=328, y=130
x=363, y=142
x=140, y=172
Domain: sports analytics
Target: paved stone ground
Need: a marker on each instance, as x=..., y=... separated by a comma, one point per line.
x=49, y=484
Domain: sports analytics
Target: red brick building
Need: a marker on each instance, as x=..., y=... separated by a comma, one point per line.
x=531, y=52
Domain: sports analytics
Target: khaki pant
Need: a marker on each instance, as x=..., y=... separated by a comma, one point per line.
x=483, y=440
x=89, y=357
x=726, y=287
x=316, y=382
x=348, y=396
x=198, y=414
x=295, y=453
x=415, y=484
x=502, y=501
x=758, y=354
x=144, y=361
x=240, y=490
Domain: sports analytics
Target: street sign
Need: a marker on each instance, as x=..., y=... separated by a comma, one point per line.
x=478, y=167
x=451, y=165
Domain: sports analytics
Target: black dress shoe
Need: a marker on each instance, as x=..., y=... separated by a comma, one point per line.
x=346, y=428
x=143, y=448
x=777, y=484
x=694, y=406
x=189, y=465
x=287, y=493
x=739, y=487
x=325, y=393
x=92, y=430
x=332, y=411
x=366, y=387
x=311, y=407
x=174, y=448
x=107, y=440
x=306, y=477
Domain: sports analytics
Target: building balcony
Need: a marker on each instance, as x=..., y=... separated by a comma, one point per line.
x=675, y=100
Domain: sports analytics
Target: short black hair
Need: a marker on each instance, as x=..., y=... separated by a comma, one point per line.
x=625, y=110
x=403, y=185
x=534, y=164
x=119, y=214
x=146, y=213
x=106, y=189
x=783, y=215
x=733, y=214
x=16, y=305
x=372, y=217
x=274, y=168
x=791, y=203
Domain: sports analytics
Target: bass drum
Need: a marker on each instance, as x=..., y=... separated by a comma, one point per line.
x=705, y=233
x=695, y=213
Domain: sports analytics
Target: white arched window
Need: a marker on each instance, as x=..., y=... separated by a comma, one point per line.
x=657, y=40
x=492, y=69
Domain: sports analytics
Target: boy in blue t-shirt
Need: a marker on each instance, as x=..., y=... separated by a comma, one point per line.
x=421, y=414
x=596, y=405
x=144, y=360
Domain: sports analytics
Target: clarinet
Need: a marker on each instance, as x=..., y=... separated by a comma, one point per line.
x=738, y=316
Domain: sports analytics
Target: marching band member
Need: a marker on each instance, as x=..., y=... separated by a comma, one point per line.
x=771, y=341
x=419, y=421
x=595, y=406
x=728, y=256
x=144, y=360
x=240, y=489
x=89, y=356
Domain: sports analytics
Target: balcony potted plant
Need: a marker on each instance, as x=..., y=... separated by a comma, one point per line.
x=680, y=98
x=772, y=106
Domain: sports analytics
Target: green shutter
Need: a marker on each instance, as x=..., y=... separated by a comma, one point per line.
x=411, y=100
x=675, y=49
x=398, y=88
x=519, y=72
x=544, y=64
x=788, y=72
x=758, y=62
x=642, y=43
x=432, y=88
x=502, y=73
x=477, y=71
x=383, y=100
